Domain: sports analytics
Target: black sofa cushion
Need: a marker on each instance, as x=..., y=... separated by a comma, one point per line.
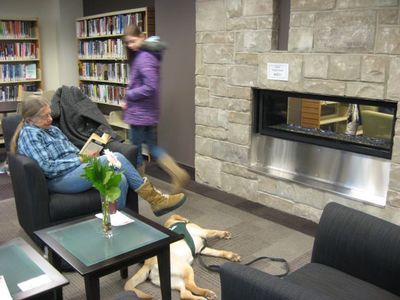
x=336, y=284
x=240, y=282
x=65, y=206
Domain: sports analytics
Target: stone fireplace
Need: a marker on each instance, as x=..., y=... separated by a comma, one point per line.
x=341, y=48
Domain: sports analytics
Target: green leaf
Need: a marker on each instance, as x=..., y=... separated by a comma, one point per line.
x=103, y=177
x=113, y=193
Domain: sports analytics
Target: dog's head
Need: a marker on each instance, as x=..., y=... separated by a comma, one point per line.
x=173, y=219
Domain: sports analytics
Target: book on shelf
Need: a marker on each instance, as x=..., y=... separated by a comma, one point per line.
x=108, y=25
x=30, y=71
x=95, y=144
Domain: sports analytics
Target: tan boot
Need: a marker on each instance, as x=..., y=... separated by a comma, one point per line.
x=178, y=175
x=160, y=203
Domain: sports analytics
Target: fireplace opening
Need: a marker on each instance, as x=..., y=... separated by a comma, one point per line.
x=351, y=124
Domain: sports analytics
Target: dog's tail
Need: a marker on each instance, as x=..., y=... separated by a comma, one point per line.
x=138, y=278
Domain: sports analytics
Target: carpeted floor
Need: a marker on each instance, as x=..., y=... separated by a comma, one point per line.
x=253, y=236
x=5, y=187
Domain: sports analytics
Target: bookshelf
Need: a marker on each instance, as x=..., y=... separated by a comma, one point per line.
x=20, y=62
x=102, y=62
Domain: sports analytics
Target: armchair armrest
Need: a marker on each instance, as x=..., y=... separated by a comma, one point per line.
x=360, y=245
x=128, y=150
x=240, y=282
x=30, y=191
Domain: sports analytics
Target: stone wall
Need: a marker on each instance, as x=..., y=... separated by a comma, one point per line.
x=336, y=47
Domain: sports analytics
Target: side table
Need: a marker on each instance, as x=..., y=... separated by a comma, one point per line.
x=81, y=243
x=20, y=263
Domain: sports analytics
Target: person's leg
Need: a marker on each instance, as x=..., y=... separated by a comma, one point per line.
x=73, y=182
x=178, y=175
x=133, y=178
x=70, y=183
x=124, y=192
x=160, y=203
x=150, y=139
x=136, y=136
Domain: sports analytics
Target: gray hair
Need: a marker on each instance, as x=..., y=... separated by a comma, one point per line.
x=30, y=107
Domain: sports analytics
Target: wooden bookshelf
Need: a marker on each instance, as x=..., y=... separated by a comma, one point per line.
x=102, y=62
x=20, y=59
x=20, y=62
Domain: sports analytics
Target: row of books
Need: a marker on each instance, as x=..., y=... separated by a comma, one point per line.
x=108, y=25
x=104, y=92
x=11, y=92
x=17, y=29
x=116, y=72
x=18, y=50
x=17, y=72
x=111, y=48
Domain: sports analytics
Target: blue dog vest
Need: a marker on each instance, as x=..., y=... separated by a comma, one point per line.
x=180, y=228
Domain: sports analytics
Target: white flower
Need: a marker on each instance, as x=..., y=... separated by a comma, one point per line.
x=112, y=159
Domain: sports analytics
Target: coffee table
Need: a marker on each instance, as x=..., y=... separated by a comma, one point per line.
x=81, y=243
x=20, y=263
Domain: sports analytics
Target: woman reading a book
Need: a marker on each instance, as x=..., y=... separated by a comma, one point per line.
x=62, y=165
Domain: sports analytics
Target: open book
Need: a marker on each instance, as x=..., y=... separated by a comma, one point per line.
x=95, y=144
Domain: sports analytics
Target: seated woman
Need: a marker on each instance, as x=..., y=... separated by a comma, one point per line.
x=59, y=159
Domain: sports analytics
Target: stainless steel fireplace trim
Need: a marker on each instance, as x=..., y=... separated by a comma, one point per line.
x=352, y=175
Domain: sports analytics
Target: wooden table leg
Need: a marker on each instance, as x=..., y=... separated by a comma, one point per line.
x=164, y=269
x=54, y=259
x=124, y=273
x=58, y=294
x=92, y=287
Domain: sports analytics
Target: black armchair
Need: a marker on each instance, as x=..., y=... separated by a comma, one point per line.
x=36, y=207
x=355, y=256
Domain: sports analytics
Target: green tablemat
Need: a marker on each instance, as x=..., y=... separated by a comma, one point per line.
x=86, y=242
x=16, y=267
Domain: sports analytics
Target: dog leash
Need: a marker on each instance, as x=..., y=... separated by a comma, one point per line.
x=216, y=268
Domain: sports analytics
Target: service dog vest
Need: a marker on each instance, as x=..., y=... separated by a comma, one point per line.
x=180, y=228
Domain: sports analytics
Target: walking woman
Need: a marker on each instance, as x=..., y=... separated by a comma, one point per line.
x=142, y=107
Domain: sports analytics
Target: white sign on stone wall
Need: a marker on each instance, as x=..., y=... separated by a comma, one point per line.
x=278, y=71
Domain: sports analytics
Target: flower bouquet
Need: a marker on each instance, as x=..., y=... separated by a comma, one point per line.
x=105, y=178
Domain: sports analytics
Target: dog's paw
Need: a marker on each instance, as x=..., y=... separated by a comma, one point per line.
x=226, y=235
x=234, y=257
x=210, y=295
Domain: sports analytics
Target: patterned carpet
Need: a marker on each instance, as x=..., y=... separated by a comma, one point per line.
x=253, y=236
x=5, y=187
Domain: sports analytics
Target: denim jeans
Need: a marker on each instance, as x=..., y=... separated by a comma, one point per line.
x=139, y=135
x=73, y=182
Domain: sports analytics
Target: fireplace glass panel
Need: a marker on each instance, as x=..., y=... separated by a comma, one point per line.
x=352, y=124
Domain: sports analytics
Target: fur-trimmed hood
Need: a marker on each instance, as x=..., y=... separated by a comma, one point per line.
x=153, y=44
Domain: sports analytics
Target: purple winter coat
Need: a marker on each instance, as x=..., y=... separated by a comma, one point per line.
x=142, y=93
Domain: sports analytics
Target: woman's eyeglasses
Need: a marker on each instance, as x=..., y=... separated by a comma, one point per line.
x=43, y=117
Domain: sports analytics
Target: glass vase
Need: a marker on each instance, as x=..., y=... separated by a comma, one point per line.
x=106, y=222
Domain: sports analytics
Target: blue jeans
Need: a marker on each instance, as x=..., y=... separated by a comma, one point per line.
x=139, y=135
x=73, y=182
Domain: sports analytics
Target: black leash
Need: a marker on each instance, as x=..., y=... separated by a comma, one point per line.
x=216, y=268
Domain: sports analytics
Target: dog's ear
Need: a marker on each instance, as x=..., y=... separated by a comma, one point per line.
x=180, y=218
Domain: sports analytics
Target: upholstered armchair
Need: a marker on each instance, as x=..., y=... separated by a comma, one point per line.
x=36, y=207
x=355, y=256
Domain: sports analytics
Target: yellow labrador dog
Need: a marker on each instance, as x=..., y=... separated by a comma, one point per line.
x=182, y=255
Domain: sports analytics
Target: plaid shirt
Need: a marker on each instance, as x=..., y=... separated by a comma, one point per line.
x=50, y=148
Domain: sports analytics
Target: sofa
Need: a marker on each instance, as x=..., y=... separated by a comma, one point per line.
x=355, y=256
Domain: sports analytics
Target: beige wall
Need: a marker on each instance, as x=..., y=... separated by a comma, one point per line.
x=57, y=33
x=175, y=23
